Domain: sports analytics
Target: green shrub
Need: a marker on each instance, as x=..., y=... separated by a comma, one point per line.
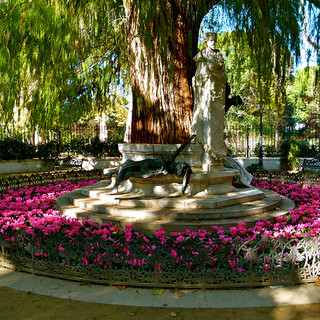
x=255, y=167
x=16, y=149
x=307, y=152
x=102, y=149
x=268, y=151
x=289, y=152
x=77, y=146
x=112, y=149
x=49, y=150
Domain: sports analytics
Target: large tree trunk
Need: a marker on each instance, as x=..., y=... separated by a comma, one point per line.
x=161, y=73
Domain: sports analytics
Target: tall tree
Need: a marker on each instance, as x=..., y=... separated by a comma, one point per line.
x=59, y=59
x=62, y=58
x=304, y=94
x=163, y=40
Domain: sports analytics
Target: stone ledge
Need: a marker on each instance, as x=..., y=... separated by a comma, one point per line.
x=75, y=204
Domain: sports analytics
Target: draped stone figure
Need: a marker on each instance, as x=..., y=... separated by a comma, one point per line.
x=209, y=85
x=244, y=178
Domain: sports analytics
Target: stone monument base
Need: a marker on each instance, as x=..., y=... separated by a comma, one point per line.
x=173, y=212
x=157, y=202
x=200, y=185
x=193, y=154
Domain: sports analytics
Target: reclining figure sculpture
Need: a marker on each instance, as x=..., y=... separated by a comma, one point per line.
x=151, y=167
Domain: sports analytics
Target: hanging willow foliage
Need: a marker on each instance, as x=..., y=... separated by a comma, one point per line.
x=62, y=59
x=272, y=31
x=58, y=59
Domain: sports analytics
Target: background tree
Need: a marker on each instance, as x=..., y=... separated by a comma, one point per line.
x=242, y=77
x=60, y=58
x=242, y=73
x=56, y=62
x=304, y=94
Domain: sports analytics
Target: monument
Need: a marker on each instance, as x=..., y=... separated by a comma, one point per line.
x=209, y=85
x=153, y=191
x=147, y=168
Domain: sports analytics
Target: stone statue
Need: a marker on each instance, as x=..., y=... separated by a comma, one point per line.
x=209, y=86
x=151, y=167
x=244, y=178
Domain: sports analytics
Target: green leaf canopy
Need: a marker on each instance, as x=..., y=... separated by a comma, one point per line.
x=59, y=60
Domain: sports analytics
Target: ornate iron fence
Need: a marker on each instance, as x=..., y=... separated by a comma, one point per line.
x=85, y=132
x=287, y=177
x=262, y=263
x=244, y=140
x=14, y=182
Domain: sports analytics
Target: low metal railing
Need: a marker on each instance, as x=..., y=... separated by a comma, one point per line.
x=195, y=264
x=262, y=263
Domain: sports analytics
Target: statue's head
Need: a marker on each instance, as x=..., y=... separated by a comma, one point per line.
x=210, y=39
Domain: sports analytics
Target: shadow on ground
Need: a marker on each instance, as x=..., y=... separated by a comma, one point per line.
x=19, y=305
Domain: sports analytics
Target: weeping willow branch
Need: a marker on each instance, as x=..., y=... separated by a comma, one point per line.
x=306, y=28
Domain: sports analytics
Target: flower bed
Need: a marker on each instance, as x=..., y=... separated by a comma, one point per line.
x=35, y=238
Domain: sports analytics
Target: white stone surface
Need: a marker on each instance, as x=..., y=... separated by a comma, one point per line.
x=244, y=177
x=24, y=166
x=134, y=151
x=239, y=298
x=268, y=163
x=209, y=86
x=92, y=163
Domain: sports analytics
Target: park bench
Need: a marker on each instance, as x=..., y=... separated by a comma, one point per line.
x=67, y=163
x=311, y=164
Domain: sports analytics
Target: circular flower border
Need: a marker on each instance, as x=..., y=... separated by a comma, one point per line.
x=29, y=226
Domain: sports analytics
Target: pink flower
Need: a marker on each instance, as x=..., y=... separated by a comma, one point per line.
x=180, y=239
x=174, y=253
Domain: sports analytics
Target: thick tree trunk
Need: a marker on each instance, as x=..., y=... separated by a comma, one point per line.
x=162, y=98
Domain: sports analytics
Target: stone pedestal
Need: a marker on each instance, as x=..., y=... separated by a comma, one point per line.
x=205, y=180
x=193, y=154
x=170, y=185
x=157, y=202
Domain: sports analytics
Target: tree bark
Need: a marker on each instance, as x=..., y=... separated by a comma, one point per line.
x=161, y=74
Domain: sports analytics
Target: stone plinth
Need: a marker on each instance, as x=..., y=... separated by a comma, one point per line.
x=205, y=179
x=193, y=154
x=200, y=185
x=157, y=202
x=149, y=213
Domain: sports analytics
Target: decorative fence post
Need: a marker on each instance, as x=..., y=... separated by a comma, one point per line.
x=248, y=142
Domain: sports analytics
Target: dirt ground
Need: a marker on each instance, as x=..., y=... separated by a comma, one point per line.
x=19, y=305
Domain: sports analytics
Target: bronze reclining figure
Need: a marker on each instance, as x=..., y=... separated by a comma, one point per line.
x=151, y=167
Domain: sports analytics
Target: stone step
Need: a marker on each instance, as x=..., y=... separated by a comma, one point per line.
x=74, y=204
x=170, y=226
x=255, y=207
x=202, y=201
x=154, y=212
x=284, y=205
